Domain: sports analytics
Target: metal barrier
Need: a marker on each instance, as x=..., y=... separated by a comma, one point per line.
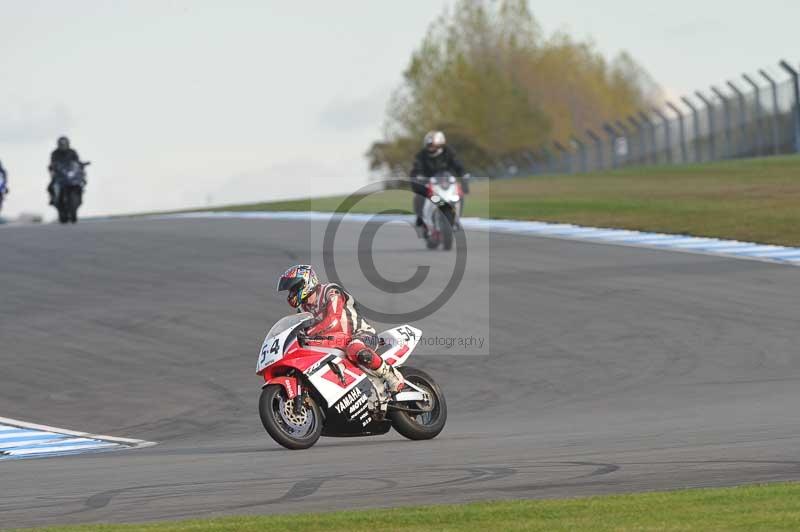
x=720, y=123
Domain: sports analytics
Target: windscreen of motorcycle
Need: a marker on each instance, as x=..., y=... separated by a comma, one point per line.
x=275, y=342
x=447, y=192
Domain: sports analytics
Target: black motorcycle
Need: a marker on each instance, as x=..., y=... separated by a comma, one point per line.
x=70, y=178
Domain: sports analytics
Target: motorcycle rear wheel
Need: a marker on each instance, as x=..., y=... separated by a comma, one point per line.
x=293, y=430
x=421, y=426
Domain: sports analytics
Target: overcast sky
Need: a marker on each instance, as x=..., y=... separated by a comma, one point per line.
x=179, y=103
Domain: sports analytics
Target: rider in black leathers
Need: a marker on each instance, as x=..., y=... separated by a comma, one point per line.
x=61, y=156
x=435, y=157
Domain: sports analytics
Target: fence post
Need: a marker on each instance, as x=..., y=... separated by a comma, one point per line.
x=530, y=161
x=548, y=160
x=758, y=135
x=796, y=107
x=578, y=143
x=727, y=110
x=598, y=145
x=740, y=146
x=667, y=137
x=698, y=151
x=642, y=151
x=682, y=132
x=565, y=165
x=612, y=138
x=533, y=164
x=712, y=141
x=541, y=163
x=627, y=133
x=652, y=128
x=775, y=112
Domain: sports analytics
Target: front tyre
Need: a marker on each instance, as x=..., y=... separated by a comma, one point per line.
x=426, y=425
x=288, y=427
x=74, y=203
x=448, y=221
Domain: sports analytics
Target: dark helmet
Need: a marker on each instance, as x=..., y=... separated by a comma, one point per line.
x=63, y=143
x=300, y=281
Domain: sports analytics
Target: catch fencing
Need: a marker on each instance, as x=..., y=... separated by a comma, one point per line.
x=755, y=116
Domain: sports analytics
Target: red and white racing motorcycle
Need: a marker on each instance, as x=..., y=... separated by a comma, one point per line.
x=442, y=212
x=311, y=389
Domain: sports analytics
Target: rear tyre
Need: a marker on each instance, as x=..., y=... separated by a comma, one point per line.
x=294, y=430
x=421, y=426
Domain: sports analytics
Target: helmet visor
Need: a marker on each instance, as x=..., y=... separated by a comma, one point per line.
x=290, y=283
x=294, y=285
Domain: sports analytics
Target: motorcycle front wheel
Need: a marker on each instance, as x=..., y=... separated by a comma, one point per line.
x=290, y=428
x=447, y=220
x=426, y=425
x=73, y=202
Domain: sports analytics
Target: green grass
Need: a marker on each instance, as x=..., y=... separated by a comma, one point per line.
x=769, y=507
x=752, y=200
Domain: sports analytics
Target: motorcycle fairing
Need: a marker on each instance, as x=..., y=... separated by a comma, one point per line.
x=350, y=415
x=279, y=338
x=345, y=389
x=401, y=341
x=289, y=383
x=334, y=376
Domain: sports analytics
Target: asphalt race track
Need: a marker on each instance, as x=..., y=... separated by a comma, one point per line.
x=612, y=369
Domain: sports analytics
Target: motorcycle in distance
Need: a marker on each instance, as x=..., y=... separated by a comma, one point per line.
x=3, y=189
x=442, y=212
x=68, y=186
x=311, y=389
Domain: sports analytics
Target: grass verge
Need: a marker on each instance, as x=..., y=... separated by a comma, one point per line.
x=768, y=507
x=754, y=200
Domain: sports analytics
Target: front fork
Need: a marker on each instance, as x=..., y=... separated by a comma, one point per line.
x=300, y=398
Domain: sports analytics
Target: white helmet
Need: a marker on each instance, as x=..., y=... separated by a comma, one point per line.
x=434, y=142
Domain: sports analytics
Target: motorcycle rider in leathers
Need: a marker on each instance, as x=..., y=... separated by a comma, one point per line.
x=61, y=156
x=337, y=315
x=434, y=157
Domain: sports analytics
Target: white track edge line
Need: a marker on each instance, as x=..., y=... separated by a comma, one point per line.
x=35, y=426
x=503, y=226
x=484, y=224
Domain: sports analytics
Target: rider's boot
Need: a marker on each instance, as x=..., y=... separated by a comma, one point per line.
x=367, y=358
x=391, y=376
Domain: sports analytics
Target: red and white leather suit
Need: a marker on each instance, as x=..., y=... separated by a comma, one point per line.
x=337, y=315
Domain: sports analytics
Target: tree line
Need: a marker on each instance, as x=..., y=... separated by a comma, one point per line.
x=487, y=75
